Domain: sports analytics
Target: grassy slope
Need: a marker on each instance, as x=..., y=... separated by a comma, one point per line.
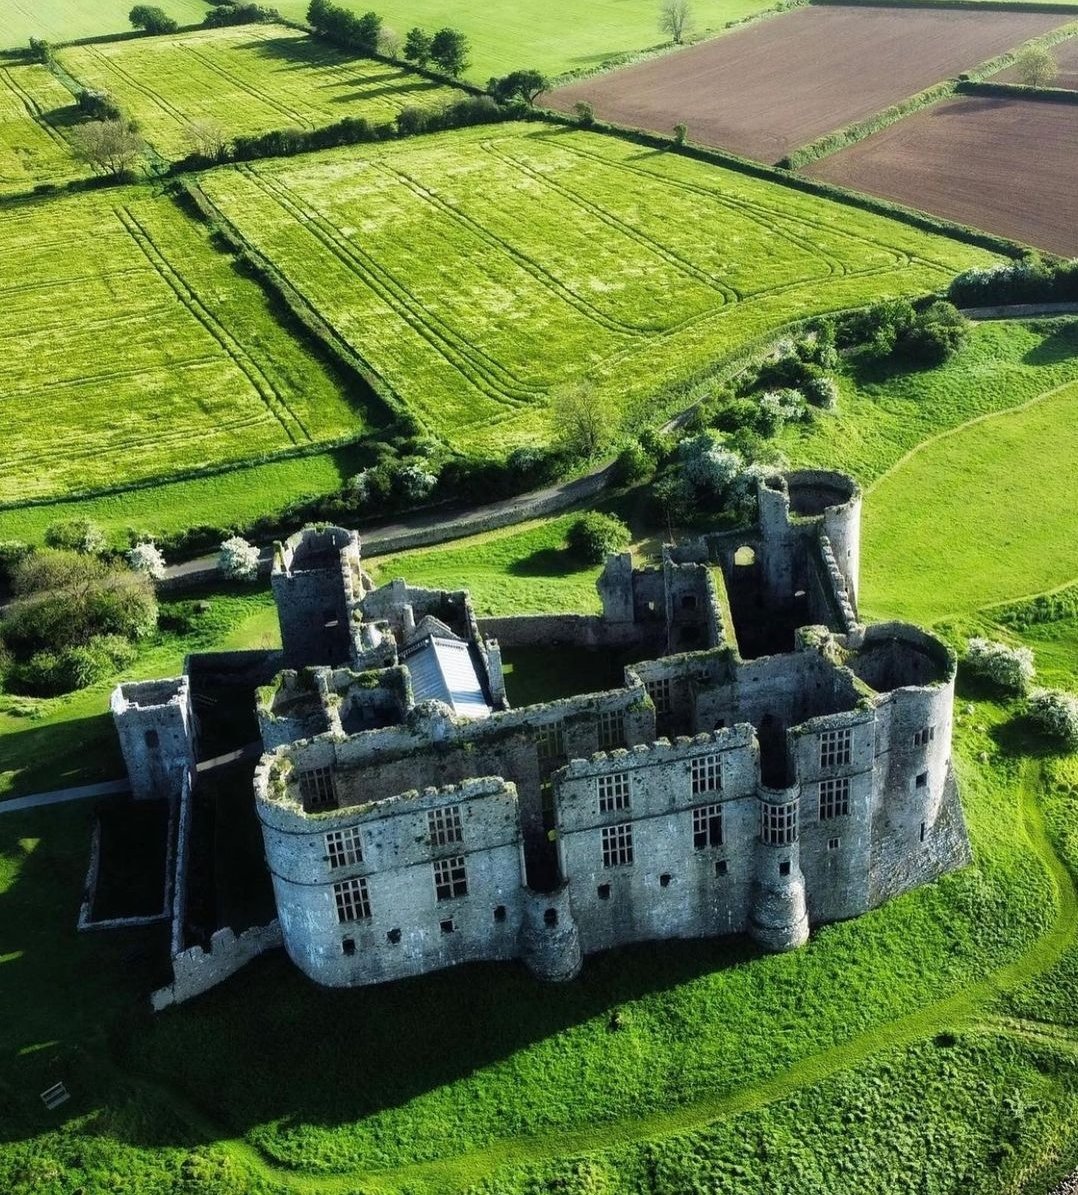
x=972, y=516
x=32, y=151
x=637, y=270
x=249, y=79
x=142, y=352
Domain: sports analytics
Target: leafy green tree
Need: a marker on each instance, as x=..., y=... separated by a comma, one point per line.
x=1036, y=66
x=594, y=536
x=152, y=19
x=417, y=46
x=449, y=50
x=580, y=418
x=518, y=85
x=585, y=113
x=76, y=535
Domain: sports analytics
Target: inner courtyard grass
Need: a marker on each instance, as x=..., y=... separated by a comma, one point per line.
x=135, y=351
x=636, y=270
x=245, y=79
x=32, y=150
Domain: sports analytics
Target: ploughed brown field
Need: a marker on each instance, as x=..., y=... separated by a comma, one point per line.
x=1004, y=165
x=1065, y=54
x=766, y=89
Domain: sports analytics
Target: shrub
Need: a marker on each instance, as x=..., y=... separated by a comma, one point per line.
x=151, y=19
x=707, y=465
x=414, y=481
x=594, y=536
x=779, y=407
x=1026, y=281
x=50, y=673
x=238, y=559
x=239, y=14
x=821, y=392
x=634, y=464
x=98, y=105
x=146, y=558
x=342, y=26
x=680, y=133
x=76, y=535
x=585, y=114
x=11, y=552
x=1055, y=714
x=525, y=86
x=934, y=335
x=417, y=46
x=1010, y=668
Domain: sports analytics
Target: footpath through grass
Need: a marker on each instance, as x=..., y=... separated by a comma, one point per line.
x=479, y=271
x=246, y=79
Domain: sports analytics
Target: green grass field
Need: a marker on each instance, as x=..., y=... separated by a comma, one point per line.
x=32, y=149
x=966, y=468
x=247, y=80
x=62, y=20
x=476, y=273
x=136, y=351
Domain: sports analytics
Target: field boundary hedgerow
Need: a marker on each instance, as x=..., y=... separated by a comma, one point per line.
x=969, y=82
x=1018, y=91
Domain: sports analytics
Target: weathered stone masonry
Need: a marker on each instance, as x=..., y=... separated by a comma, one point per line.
x=770, y=765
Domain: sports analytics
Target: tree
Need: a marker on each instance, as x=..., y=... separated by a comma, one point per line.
x=449, y=50
x=417, y=46
x=109, y=146
x=580, y=418
x=680, y=133
x=389, y=42
x=76, y=535
x=147, y=558
x=707, y=464
x=675, y=17
x=1008, y=667
x=207, y=139
x=152, y=19
x=518, y=85
x=1036, y=66
x=595, y=536
x=1055, y=714
x=238, y=559
x=585, y=113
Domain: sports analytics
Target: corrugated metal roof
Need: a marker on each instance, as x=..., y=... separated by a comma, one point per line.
x=443, y=670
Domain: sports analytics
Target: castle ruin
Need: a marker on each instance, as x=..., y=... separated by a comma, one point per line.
x=766, y=764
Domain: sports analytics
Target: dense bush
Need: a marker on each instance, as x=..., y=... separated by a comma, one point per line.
x=76, y=535
x=594, y=536
x=821, y=392
x=1029, y=280
x=525, y=86
x=1010, y=668
x=239, y=14
x=634, y=464
x=152, y=19
x=921, y=336
x=1055, y=714
x=98, y=105
x=238, y=560
x=779, y=407
x=343, y=27
x=707, y=465
x=72, y=620
x=11, y=552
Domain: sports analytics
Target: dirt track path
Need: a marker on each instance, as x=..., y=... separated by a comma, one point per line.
x=965, y=1009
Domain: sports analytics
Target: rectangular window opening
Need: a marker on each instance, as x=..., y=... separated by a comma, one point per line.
x=721, y=867
x=613, y=792
x=778, y=823
x=343, y=847
x=707, y=827
x=836, y=748
x=922, y=780
x=618, y=845
x=316, y=788
x=353, y=903
x=444, y=825
x=834, y=799
x=611, y=730
x=706, y=774
x=450, y=878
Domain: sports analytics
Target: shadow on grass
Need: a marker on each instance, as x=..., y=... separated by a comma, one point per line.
x=546, y=562
x=1058, y=345
x=40, y=757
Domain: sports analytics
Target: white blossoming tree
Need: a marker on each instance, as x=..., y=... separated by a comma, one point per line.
x=238, y=559
x=1009, y=667
x=1055, y=714
x=147, y=558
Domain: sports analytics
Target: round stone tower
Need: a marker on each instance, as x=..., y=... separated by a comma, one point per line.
x=779, y=918
x=549, y=938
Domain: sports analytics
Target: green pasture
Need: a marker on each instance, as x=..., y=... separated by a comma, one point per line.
x=134, y=350
x=245, y=80
x=477, y=272
x=967, y=470
x=553, y=38
x=32, y=150
x=62, y=20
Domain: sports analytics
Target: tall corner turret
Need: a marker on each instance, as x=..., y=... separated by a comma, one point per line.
x=155, y=722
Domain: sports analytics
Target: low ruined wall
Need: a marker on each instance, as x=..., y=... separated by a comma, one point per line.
x=196, y=970
x=553, y=630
